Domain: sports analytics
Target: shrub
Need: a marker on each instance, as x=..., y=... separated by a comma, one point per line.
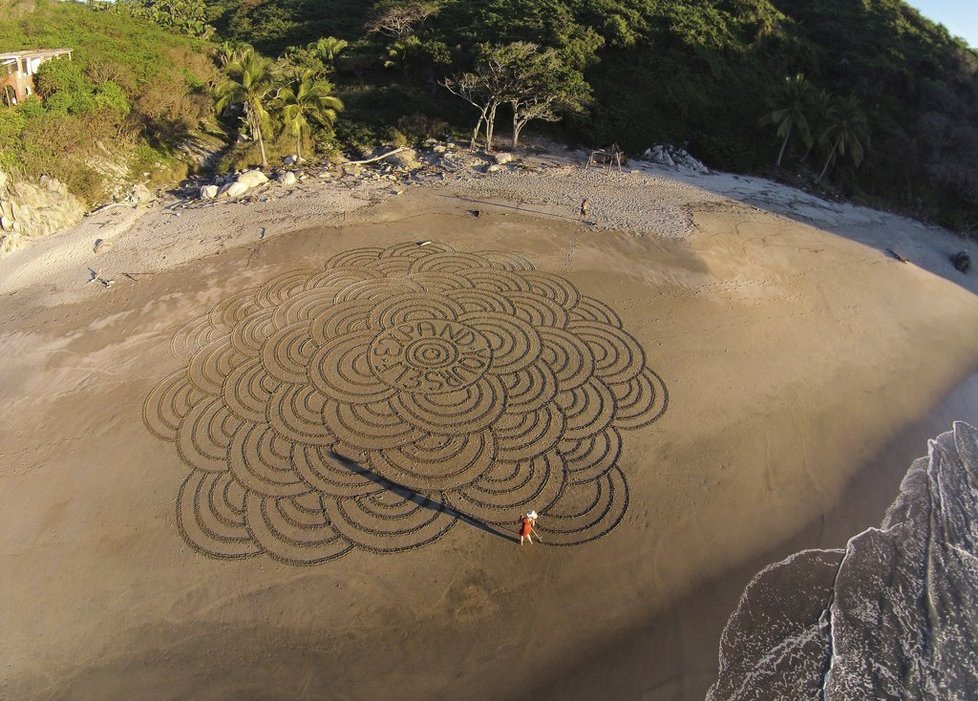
x=12, y=123
x=111, y=97
x=64, y=87
x=419, y=127
x=358, y=136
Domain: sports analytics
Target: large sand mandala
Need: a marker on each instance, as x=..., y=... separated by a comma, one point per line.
x=460, y=385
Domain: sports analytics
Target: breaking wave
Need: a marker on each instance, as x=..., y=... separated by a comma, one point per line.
x=893, y=616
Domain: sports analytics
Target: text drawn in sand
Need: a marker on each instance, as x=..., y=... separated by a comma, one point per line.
x=460, y=383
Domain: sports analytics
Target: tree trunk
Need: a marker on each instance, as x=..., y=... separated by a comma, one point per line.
x=491, y=125
x=516, y=125
x=828, y=161
x=298, y=147
x=475, y=132
x=256, y=134
x=784, y=145
x=261, y=145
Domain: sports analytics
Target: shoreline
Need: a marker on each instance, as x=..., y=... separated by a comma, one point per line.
x=688, y=632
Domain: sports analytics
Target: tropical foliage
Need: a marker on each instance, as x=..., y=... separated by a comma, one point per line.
x=887, y=111
x=187, y=16
x=307, y=102
x=247, y=85
x=791, y=112
x=131, y=93
x=706, y=74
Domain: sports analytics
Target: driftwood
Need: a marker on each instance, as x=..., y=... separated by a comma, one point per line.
x=375, y=158
x=612, y=156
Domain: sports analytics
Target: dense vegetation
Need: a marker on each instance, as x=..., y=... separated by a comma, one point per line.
x=861, y=97
x=704, y=73
x=131, y=94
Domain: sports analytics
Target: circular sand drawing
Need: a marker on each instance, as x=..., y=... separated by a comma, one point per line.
x=375, y=402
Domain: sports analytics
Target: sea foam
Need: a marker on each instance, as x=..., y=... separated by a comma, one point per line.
x=893, y=616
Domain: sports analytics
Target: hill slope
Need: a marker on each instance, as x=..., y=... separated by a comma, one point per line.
x=684, y=71
x=129, y=97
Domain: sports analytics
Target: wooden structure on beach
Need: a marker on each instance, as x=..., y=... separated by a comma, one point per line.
x=17, y=69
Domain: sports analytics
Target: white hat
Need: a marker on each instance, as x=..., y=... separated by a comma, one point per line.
x=531, y=514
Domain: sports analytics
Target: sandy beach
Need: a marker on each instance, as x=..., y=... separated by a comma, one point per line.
x=805, y=367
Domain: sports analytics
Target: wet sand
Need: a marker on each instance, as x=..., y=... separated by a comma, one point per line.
x=797, y=363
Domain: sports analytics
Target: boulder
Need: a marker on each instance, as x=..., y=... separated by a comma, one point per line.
x=208, y=192
x=10, y=243
x=493, y=168
x=673, y=157
x=139, y=193
x=232, y=190
x=503, y=158
x=290, y=160
x=962, y=261
x=406, y=159
x=252, y=178
x=6, y=223
x=439, y=148
x=287, y=178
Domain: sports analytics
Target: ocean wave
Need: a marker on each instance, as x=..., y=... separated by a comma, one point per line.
x=893, y=616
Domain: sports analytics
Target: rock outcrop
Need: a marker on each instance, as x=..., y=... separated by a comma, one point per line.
x=31, y=210
x=673, y=157
x=962, y=261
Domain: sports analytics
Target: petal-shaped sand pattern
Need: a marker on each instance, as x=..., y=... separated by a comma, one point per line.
x=464, y=386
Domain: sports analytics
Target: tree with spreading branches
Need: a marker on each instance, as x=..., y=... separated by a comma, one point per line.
x=535, y=84
x=540, y=85
x=400, y=19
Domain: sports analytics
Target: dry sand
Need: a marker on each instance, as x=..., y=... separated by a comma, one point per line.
x=803, y=367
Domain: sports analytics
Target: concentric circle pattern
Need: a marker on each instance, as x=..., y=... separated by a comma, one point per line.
x=459, y=384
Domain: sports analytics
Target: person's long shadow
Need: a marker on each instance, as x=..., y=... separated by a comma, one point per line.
x=418, y=498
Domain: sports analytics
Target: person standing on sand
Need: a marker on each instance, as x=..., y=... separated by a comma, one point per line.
x=527, y=521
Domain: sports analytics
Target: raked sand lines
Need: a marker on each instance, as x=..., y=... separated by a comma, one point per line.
x=457, y=383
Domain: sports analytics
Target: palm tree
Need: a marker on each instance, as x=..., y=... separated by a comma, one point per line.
x=248, y=83
x=821, y=103
x=307, y=100
x=229, y=54
x=328, y=48
x=846, y=131
x=789, y=111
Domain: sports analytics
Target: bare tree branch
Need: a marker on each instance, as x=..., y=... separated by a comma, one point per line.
x=398, y=21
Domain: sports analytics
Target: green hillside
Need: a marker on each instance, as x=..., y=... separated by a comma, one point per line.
x=860, y=98
x=695, y=72
x=131, y=94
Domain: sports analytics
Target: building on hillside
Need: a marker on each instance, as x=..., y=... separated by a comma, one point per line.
x=17, y=70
